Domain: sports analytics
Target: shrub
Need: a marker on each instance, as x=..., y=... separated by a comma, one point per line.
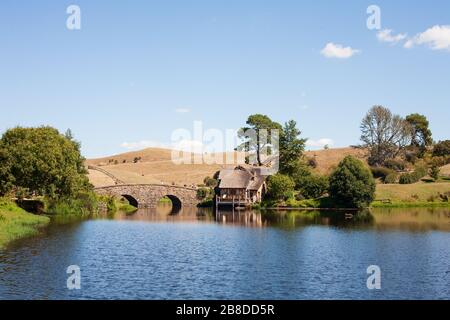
x=394, y=164
x=312, y=162
x=391, y=178
x=280, y=187
x=352, y=184
x=413, y=177
x=381, y=172
x=434, y=172
x=210, y=182
x=442, y=149
x=314, y=186
x=202, y=193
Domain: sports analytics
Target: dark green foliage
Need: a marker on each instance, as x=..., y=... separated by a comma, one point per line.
x=301, y=173
x=442, y=149
x=421, y=136
x=257, y=136
x=291, y=148
x=43, y=161
x=280, y=187
x=210, y=182
x=314, y=186
x=352, y=184
x=203, y=193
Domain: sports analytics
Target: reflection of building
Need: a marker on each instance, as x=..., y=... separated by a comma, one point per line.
x=241, y=186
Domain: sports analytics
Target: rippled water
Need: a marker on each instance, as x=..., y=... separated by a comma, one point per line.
x=283, y=255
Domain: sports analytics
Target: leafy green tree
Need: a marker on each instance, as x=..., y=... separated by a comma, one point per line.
x=210, y=182
x=43, y=161
x=314, y=186
x=352, y=184
x=421, y=136
x=291, y=148
x=301, y=173
x=257, y=135
x=280, y=187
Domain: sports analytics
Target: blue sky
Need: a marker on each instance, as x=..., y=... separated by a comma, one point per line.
x=134, y=64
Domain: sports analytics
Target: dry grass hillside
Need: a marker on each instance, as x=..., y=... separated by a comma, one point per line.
x=155, y=166
x=327, y=160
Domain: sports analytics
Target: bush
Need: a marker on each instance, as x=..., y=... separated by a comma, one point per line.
x=300, y=175
x=391, y=178
x=352, y=184
x=314, y=186
x=381, y=172
x=434, y=172
x=203, y=193
x=394, y=164
x=280, y=187
x=410, y=178
x=442, y=149
x=210, y=182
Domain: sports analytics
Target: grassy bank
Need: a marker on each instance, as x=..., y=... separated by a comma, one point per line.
x=16, y=223
x=412, y=195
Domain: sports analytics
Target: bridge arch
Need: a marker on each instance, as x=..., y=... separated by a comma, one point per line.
x=149, y=195
x=131, y=200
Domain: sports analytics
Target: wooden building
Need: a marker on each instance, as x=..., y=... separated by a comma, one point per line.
x=241, y=186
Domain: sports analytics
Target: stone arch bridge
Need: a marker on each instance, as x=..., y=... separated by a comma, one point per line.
x=148, y=195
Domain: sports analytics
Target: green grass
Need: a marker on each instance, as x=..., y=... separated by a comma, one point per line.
x=418, y=193
x=16, y=223
x=126, y=208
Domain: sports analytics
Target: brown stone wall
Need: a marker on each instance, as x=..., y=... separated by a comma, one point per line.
x=148, y=196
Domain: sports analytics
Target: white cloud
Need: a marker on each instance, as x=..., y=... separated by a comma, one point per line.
x=188, y=146
x=387, y=36
x=319, y=143
x=437, y=38
x=332, y=50
x=182, y=110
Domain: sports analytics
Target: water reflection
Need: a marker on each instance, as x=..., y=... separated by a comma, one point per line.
x=420, y=219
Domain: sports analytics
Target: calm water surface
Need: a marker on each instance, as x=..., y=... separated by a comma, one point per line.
x=283, y=255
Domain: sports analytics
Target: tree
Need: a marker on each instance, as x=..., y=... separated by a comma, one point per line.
x=210, y=182
x=352, y=184
x=442, y=149
x=43, y=161
x=314, y=186
x=280, y=187
x=421, y=134
x=385, y=134
x=291, y=147
x=257, y=136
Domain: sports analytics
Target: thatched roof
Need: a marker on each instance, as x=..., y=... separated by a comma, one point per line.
x=241, y=178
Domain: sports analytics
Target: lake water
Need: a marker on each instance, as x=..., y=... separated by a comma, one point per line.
x=282, y=255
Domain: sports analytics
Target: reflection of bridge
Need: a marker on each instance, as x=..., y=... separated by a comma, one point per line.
x=148, y=195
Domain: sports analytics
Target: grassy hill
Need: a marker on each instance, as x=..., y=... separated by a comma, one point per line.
x=155, y=166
